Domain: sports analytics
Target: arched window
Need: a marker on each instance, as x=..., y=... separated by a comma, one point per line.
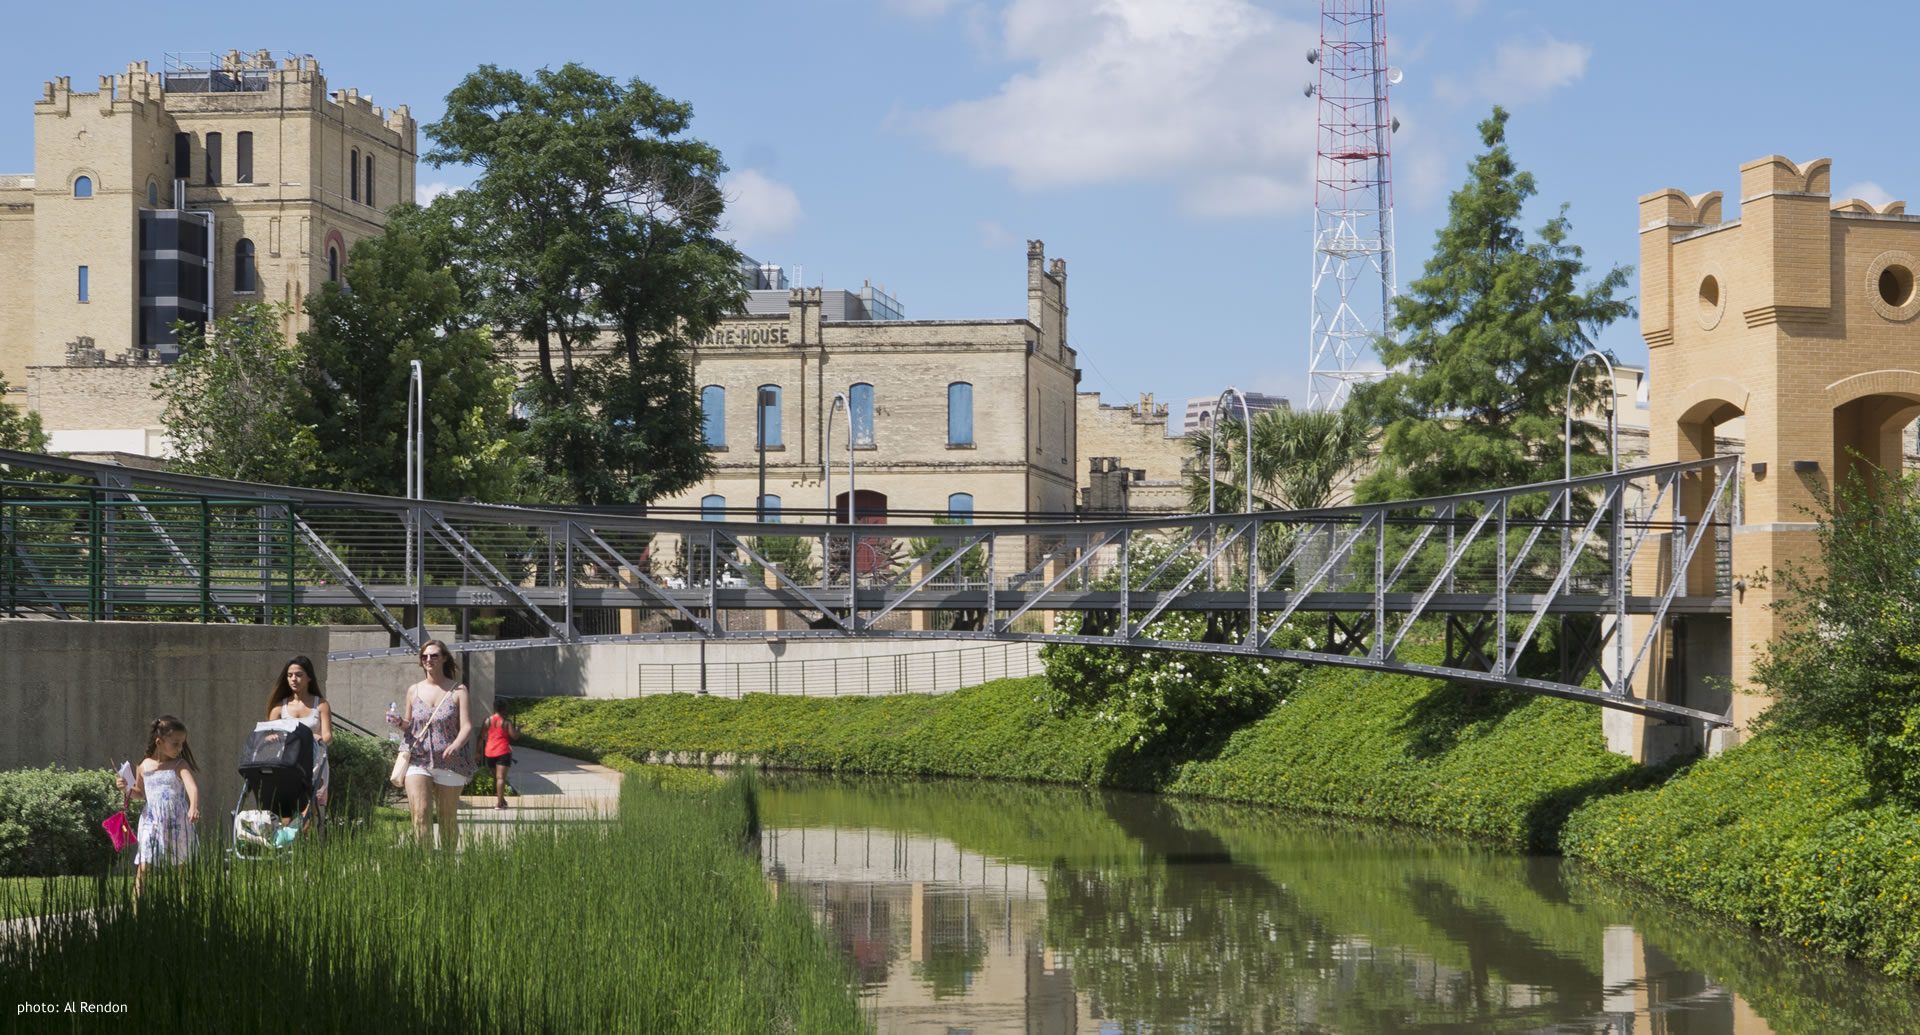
x=960, y=507
x=353, y=174
x=713, y=508
x=333, y=264
x=245, y=280
x=370, y=181
x=153, y=194
x=960, y=414
x=768, y=422
x=243, y=157
x=83, y=186
x=213, y=159
x=713, y=415
x=770, y=508
x=861, y=398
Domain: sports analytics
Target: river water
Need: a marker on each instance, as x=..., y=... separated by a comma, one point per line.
x=985, y=908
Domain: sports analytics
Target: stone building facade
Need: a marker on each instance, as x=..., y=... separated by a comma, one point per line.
x=957, y=417
x=1130, y=438
x=1801, y=319
x=178, y=195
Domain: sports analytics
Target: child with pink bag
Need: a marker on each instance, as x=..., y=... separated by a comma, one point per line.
x=165, y=779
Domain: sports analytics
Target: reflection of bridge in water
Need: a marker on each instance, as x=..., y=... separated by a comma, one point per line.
x=1608, y=559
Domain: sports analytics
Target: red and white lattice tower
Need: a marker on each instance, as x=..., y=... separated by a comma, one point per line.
x=1353, y=275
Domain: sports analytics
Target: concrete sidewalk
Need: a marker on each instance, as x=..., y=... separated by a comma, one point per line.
x=550, y=787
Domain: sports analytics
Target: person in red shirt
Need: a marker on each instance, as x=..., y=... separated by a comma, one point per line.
x=499, y=751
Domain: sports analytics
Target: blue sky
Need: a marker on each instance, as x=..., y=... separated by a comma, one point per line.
x=1162, y=147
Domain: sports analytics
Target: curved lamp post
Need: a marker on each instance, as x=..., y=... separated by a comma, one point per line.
x=1213, y=439
x=1613, y=440
x=826, y=479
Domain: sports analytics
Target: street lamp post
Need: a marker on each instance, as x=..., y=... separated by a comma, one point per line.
x=761, y=402
x=1246, y=422
x=826, y=479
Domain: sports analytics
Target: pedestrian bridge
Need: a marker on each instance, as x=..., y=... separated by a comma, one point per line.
x=1607, y=559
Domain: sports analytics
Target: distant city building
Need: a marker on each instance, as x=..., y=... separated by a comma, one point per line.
x=1200, y=409
x=176, y=196
x=768, y=284
x=1130, y=462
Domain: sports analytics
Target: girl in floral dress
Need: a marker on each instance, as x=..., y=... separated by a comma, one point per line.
x=165, y=780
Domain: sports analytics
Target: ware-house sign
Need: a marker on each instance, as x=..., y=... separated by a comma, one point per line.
x=746, y=334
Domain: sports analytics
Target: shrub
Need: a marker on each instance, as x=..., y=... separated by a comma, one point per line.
x=50, y=821
x=360, y=767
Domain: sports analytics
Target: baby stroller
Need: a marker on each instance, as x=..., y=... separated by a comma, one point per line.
x=281, y=767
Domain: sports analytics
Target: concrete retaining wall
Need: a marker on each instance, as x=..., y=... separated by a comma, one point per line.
x=82, y=694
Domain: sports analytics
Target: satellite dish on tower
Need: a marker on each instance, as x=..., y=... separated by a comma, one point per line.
x=1394, y=75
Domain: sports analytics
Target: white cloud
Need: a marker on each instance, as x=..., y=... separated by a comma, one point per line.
x=758, y=206
x=1521, y=72
x=1202, y=95
x=424, y=193
x=1867, y=191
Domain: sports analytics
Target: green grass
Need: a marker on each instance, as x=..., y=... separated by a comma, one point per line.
x=656, y=922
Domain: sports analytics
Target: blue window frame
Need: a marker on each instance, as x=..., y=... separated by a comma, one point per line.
x=861, y=399
x=960, y=507
x=960, y=414
x=713, y=508
x=83, y=283
x=83, y=187
x=769, y=424
x=770, y=506
x=713, y=415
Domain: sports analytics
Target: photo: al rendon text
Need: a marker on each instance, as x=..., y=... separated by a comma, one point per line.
x=70, y=1006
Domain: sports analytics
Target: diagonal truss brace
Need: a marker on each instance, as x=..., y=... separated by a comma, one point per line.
x=781, y=576
x=620, y=562
x=1334, y=557
x=173, y=549
x=1511, y=656
x=1086, y=554
x=1659, y=616
x=351, y=581
x=927, y=579
x=1445, y=573
x=1205, y=566
x=447, y=536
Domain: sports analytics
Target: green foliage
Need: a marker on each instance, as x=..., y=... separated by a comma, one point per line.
x=50, y=821
x=1780, y=833
x=20, y=428
x=663, y=923
x=593, y=209
x=1849, y=659
x=791, y=554
x=1299, y=458
x=232, y=399
x=400, y=303
x=1487, y=340
x=359, y=767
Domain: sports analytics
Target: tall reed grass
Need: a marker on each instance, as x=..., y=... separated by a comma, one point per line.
x=656, y=921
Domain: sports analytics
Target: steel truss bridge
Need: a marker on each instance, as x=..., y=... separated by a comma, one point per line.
x=1470, y=579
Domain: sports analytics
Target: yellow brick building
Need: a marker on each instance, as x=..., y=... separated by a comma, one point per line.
x=176, y=195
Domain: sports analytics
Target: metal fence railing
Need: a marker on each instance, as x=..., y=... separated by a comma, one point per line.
x=923, y=672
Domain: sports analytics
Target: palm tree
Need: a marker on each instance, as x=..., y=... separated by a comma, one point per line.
x=1300, y=457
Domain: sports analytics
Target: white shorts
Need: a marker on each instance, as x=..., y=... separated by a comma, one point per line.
x=443, y=777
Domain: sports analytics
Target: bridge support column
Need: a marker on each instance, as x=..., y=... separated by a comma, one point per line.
x=1049, y=620
x=919, y=621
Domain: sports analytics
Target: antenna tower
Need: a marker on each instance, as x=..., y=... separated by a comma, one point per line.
x=1353, y=275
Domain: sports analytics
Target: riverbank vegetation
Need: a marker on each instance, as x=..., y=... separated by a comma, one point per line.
x=658, y=921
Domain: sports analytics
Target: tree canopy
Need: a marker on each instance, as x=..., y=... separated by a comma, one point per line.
x=591, y=234
x=1488, y=337
x=230, y=400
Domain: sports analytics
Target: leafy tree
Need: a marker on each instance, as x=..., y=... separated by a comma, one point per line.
x=20, y=428
x=1849, y=660
x=400, y=303
x=593, y=208
x=230, y=400
x=1488, y=338
x=1299, y=459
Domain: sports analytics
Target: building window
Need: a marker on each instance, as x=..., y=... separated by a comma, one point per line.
x=245, y=279
x=862, y=401
x=182, y=156
x=713, y=416
x=153, y=194
x=769, y=423
x=960, y=507
x=83, y=186
x=713, y=508
x=369, y=181
x=353, y=174
x=83, y=283
x=960, y=414
x=770, y=509
x=213, y=159
x=243, y=158
x=333, y=264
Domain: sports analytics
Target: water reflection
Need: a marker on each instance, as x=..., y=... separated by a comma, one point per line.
x=989, y=908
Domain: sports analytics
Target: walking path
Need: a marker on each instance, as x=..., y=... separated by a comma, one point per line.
x=551, y=787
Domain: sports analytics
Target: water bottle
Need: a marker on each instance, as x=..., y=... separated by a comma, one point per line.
x=393, y=713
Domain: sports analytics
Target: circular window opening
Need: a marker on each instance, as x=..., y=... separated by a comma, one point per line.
x=1709, y=298
x=1896, y=286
